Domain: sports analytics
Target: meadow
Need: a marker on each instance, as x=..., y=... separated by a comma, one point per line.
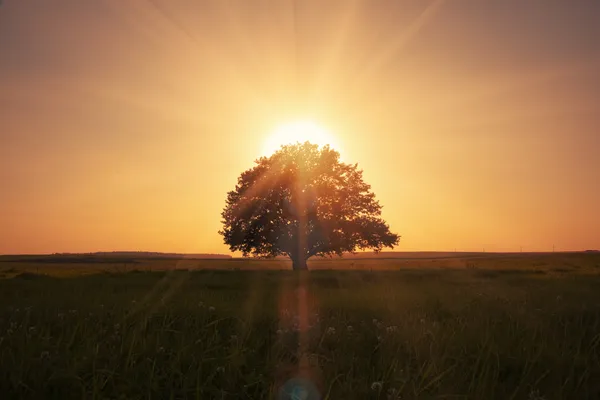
x=518, y=326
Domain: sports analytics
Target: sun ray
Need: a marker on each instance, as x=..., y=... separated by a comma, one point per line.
x=527, y=80
x=158, y=21
x=331, y=63
x=506, y=85
x=392, y=50
x=264, y=181
x=260, y=83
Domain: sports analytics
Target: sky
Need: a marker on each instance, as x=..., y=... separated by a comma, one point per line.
x=123, y=124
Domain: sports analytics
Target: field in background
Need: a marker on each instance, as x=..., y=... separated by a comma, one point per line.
x=75, y=265
x=477, y=326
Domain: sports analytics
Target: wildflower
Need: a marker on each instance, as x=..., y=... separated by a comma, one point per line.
x=73, y=312
x=31, y=330
x=350, y=329
x=161, y=350
x=220, y=369
x=201, y=304
x=375, y=321
x=211, y=309
x=376, y=386
x=391, y=329
x=331, y=330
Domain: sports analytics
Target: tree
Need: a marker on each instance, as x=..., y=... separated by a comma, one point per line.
x=300, y=202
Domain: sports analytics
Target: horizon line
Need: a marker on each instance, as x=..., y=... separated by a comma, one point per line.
x=335, y=256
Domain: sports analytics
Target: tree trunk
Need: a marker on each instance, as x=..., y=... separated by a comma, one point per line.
x=299, y=264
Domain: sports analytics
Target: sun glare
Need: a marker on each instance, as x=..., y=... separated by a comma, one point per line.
x=298, y=131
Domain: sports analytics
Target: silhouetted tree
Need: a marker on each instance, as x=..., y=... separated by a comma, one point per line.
x=301, y=202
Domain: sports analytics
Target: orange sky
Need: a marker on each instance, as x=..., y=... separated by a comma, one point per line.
x=124, y=123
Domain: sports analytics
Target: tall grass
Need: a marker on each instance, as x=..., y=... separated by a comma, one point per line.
x=361, y=335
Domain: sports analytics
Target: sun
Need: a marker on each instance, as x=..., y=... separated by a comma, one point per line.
x=299, y=131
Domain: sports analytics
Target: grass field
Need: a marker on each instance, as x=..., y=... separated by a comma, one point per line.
x=453, y=327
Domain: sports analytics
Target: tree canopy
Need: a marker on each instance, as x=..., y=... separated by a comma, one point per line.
x=300, y=202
